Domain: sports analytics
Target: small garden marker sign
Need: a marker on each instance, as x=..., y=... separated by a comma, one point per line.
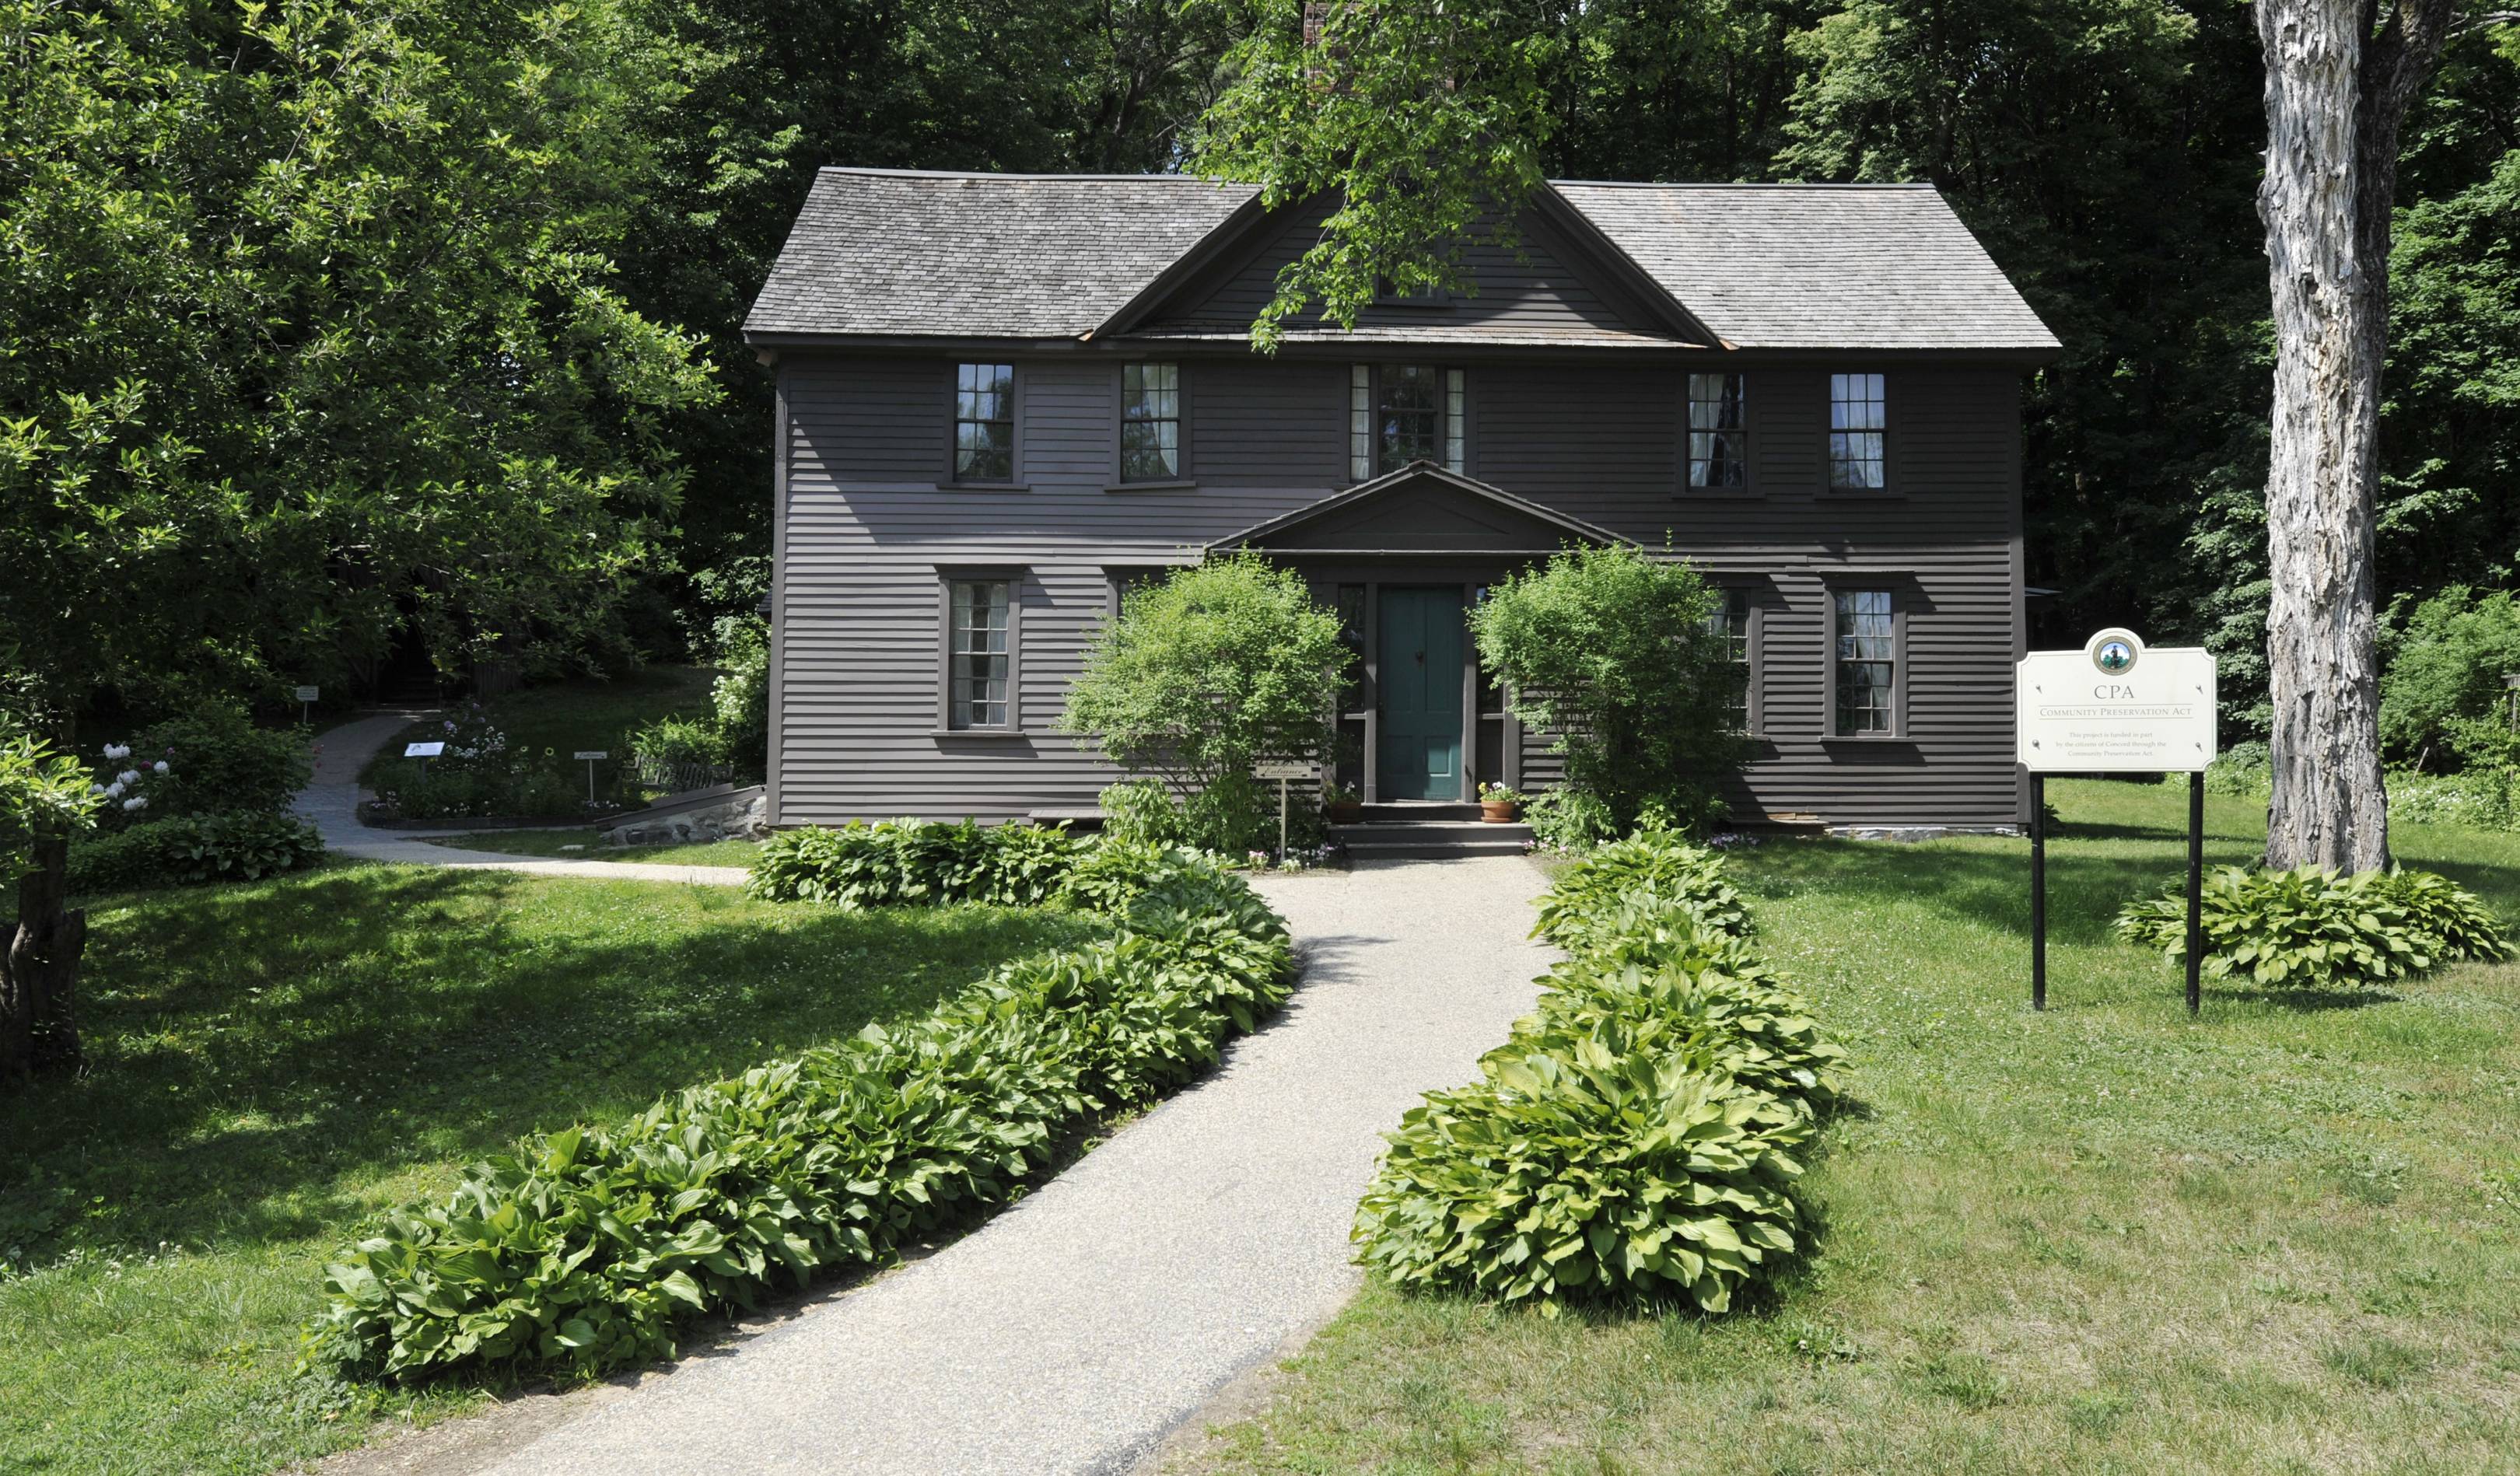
x=1285, y=772
x=2114, y=707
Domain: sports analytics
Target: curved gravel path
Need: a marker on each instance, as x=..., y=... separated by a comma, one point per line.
x=331, y=802
x=1073, y=1331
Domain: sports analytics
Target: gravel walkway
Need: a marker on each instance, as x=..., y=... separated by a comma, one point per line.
x=1073, y=1331
x=331, y=802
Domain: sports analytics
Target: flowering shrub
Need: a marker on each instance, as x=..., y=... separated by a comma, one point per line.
x=483, y=772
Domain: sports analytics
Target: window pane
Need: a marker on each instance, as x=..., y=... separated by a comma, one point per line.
x=1718, y=442
x=1454, y=395
x=976, y=669
x=1360, y=393
x=1858, y=413
x=1866, y=661
x=1149, y=422
x=984, y=421
x=1405, y=417
x=1731, y=622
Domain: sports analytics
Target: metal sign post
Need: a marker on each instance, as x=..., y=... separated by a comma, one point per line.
x=424, y=752
x=306, y=697
x=2115, y=707
x=1285, y=772
x=592, y=756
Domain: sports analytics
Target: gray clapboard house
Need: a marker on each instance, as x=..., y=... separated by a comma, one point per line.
x=1003, y=398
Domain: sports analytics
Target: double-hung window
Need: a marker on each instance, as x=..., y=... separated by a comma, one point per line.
x=979, y=652
x=1719, y=437
x=1866, y=693
x=1150, y=423
x=984, y=422
x=1729, y=623
x=1403, y=413
x=1857, y=417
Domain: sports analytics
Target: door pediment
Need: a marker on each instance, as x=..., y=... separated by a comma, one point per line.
x=1420, y=508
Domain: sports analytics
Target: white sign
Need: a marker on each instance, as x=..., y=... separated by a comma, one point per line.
x=308, y=694
x=423, y=750
x=2116, y=706
x=1281, y=769
x=592, y=753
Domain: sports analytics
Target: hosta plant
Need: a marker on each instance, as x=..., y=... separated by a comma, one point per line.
x=586, y=1249
x=1744, y=1023
x=2312, y=927
x=1581, y=909
x=1579, y=1170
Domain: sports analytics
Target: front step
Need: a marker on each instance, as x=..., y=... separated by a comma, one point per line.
x=1416, y=811
x=1431, y=839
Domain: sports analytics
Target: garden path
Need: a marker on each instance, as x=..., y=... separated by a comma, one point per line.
x=1072, y=1332
x=332, y=801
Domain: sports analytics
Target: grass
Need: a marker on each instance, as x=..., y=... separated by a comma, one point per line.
x=588, y=845
x=583, y=713
x=2281, y=1237
x=271, y=1063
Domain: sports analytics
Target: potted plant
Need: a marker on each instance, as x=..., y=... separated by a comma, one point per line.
x=1499, y=805
x=1340, y=805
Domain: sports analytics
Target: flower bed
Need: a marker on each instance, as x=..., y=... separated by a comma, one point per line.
x=1637, y=1136
x=586, y=1249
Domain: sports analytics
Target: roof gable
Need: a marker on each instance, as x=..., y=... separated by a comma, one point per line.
x=1420, y=508
x=1564, y=283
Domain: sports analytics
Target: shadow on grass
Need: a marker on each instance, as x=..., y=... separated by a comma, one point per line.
x=262, y=1059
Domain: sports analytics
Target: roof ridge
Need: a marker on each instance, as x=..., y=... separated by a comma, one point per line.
x=871, y=169
x=1774, y=184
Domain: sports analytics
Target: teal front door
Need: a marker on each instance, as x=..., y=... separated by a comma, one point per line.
x=1419, y=662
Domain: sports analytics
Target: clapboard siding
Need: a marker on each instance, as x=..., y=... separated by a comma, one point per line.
x=865, y=528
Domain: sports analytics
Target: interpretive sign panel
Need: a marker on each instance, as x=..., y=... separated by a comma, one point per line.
x=2115, y=707
x=423, y=751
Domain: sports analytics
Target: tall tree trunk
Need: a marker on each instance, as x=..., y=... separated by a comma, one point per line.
x=40, y=969
x=2339, y=81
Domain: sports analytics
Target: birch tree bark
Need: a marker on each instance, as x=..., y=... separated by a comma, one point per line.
x=2340, y=77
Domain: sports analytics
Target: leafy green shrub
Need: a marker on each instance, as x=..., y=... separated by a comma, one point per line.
x=2245, y=770
x=897, y=862
x=1737, y=1019
x=189, y=850
x=2314, y=928
x=584, y=1249
x=1611, y=650
x=1202, y=676
x=1600, y=896
x=673, y=742
x=739, y=697
x=1635, y=1139
x=220, y=763
x=2481, y=797
x=2442, y=691
x=1597, y=1172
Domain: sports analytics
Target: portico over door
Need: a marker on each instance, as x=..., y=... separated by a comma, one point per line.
x=1399, y=557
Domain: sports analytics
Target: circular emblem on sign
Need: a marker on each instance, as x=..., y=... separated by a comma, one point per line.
x=2115, y=651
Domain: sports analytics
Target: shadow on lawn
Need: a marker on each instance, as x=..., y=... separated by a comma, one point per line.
x=260, y=1055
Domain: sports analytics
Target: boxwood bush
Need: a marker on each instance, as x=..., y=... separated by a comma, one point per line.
x=2315, y=929
x=1637, y=1137
x=586, y=1249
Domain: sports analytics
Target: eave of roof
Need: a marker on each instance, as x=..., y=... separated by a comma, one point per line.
x=1417, y=470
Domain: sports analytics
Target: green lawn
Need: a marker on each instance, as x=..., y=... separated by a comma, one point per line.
x=589, y=845
x=567, y=717
x=272, y=1062
x=2283, y=1238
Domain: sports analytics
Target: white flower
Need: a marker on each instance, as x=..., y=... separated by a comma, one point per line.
x=113, y=790
x=127, y=777
x=136, y=802
x=117, y=750
x=159, y=767
x=95, y=789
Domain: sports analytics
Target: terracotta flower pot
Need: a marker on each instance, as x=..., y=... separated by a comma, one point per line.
x=1498, y=812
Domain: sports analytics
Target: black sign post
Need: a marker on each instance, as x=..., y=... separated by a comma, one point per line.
x=2196, y=886
x=2037, y=891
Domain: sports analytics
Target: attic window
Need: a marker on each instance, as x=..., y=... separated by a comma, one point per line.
x=1388, y=293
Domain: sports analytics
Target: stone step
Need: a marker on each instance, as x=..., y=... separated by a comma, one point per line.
x=1415, y=810
x=1431, y=839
